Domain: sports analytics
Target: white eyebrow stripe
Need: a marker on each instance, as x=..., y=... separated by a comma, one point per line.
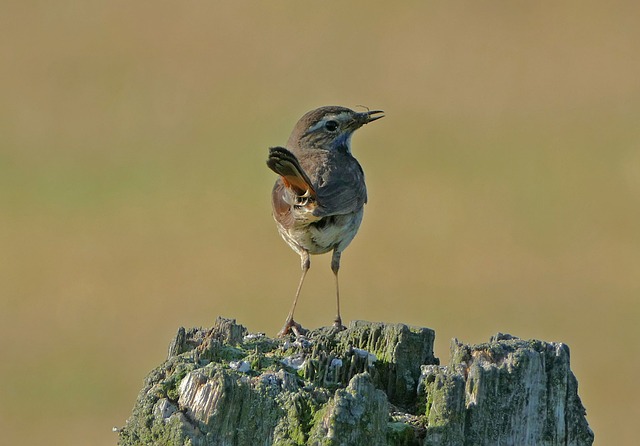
x=316, y=126
x=340, y=117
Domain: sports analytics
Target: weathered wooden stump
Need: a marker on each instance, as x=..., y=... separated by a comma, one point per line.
x=372, y=384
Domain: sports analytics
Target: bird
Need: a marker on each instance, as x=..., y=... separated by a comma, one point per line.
x=318, y=199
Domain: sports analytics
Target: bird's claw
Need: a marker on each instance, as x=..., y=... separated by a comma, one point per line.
x=291, y=326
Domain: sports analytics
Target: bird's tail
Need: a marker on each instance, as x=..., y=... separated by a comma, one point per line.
x=285, y=164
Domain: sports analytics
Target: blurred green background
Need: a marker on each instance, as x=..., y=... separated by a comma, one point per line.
x=504, y=186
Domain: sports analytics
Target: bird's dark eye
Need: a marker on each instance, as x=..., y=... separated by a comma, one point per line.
x=332, y=126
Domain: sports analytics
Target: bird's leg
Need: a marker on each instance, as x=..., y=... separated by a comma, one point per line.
x=290, y=324
x=335, y=266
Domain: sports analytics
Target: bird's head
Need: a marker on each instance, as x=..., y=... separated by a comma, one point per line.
x=330, y=128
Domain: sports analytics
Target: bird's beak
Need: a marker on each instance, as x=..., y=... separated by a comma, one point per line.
x=370, y=116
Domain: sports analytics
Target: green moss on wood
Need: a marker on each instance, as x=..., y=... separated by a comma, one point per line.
x=372, y=384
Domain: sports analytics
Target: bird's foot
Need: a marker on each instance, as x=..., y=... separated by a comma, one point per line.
x=291, y=326
x=338, y=324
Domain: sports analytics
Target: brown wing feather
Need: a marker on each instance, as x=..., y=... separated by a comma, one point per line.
x=281, y=209
x=343, y=192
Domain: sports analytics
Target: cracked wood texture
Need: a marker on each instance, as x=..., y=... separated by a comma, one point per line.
x=371, y=384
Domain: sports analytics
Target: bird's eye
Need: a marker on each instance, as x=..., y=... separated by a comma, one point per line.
x=331, y=126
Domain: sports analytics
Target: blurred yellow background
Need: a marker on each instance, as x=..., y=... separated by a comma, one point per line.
x=504, y=186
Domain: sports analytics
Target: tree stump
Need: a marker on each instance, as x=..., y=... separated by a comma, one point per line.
x=371, y=384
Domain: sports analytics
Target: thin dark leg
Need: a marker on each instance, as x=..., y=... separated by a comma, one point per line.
x=290, y=324
x=335, y=267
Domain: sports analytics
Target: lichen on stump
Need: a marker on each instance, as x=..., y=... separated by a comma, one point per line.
x=371, y=384
x=505, y=392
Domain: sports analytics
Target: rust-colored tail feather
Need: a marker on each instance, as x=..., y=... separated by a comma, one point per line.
x=285, y=164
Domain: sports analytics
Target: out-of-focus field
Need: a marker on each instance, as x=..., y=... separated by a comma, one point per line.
x=504, y=187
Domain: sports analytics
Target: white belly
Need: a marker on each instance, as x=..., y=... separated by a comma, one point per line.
x=319, y=237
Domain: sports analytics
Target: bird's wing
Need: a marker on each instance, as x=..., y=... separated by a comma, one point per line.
x=281, y=208
x=341, y=191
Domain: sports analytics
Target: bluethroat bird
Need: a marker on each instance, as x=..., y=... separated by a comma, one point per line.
x=318, y=199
